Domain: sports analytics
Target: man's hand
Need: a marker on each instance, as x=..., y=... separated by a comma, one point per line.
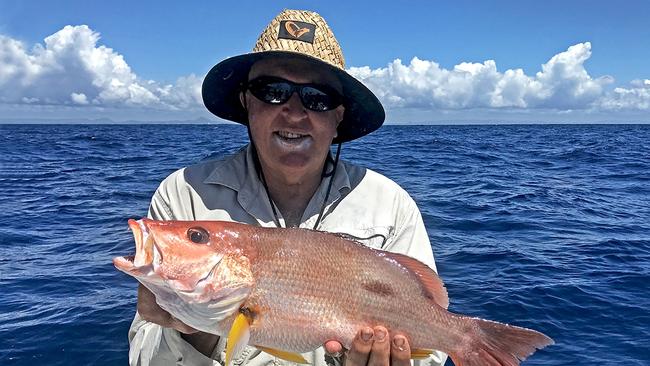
x=374, y=347
x=150, y=311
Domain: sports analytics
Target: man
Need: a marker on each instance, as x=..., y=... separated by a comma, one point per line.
x=296, y=99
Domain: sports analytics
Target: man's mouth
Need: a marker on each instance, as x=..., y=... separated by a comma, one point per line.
x=290, y=136
x=292, y=140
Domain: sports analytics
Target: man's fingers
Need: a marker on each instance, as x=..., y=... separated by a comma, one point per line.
x=400, y=353
x=380, y=351
x=360, y=348
x=334, y=348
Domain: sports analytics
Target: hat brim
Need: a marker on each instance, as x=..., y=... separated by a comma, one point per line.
x=222, y=85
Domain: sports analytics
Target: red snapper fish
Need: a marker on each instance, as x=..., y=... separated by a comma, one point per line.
x=288, y=291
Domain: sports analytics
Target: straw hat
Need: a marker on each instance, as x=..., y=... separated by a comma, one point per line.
x=295, y=33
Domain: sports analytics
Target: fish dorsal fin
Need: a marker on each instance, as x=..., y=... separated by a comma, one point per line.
x=238, y=338
x=287, y=356
x=431, y=284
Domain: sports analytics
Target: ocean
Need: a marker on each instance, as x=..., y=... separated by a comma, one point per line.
x=542, y=226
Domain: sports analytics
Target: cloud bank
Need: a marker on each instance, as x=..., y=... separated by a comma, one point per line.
x=562, y=84
x=72, y=69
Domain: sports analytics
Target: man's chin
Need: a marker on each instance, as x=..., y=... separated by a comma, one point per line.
x=294, y=161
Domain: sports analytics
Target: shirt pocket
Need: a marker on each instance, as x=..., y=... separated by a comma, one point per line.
x=374, y=237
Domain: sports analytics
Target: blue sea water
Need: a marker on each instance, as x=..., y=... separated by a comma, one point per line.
x=543, y=226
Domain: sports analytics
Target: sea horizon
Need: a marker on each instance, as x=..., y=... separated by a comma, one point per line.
x=206, y=121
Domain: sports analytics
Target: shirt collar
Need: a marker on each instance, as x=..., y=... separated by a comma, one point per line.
x=240, y=175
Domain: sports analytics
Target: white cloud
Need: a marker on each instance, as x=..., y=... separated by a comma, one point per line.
x=635, y=97
x=184, y=94
x=70, y=68
x=562, y=84
x=79, y=98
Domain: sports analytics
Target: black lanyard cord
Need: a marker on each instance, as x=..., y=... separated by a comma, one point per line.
x=324, y=174
x=329, y=186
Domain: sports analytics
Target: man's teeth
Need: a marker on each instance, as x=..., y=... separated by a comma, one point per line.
x=289, y=135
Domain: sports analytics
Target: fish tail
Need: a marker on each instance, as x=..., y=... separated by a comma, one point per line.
x=494, y=343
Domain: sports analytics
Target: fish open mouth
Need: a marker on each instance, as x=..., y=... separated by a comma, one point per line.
x=144, y=250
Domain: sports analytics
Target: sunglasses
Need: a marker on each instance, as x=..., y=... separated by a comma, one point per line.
x=276, y=91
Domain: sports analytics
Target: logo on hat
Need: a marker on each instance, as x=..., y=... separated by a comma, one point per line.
x=295, y=30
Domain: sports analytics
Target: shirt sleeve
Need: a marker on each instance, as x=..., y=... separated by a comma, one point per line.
x=152, y=344
x=411, y=239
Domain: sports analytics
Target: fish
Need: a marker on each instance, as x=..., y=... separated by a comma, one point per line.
x=287, y=291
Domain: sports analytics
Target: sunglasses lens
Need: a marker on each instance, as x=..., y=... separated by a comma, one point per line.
x=272, y=92
x=318, y=100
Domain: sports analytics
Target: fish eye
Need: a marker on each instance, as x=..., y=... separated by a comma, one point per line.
x=198, y=235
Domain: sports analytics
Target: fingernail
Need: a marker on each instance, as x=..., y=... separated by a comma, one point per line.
x=380, y=335
x=366, y=334
x=399, y=342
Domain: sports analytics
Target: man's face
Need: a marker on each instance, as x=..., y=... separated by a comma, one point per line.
x=292, y=140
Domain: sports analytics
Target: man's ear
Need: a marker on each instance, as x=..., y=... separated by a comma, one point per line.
x=242, y=99
x=340, y=113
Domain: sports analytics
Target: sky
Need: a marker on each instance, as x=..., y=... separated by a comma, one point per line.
x=427, y=61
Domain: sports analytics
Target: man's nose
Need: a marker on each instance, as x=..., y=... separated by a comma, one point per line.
x=294, y=108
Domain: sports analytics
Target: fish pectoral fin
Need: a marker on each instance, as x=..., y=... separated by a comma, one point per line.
x=238, y=338
x=287, y=356
x=419, y=354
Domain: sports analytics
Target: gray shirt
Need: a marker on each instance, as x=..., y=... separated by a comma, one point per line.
x=362, y=203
